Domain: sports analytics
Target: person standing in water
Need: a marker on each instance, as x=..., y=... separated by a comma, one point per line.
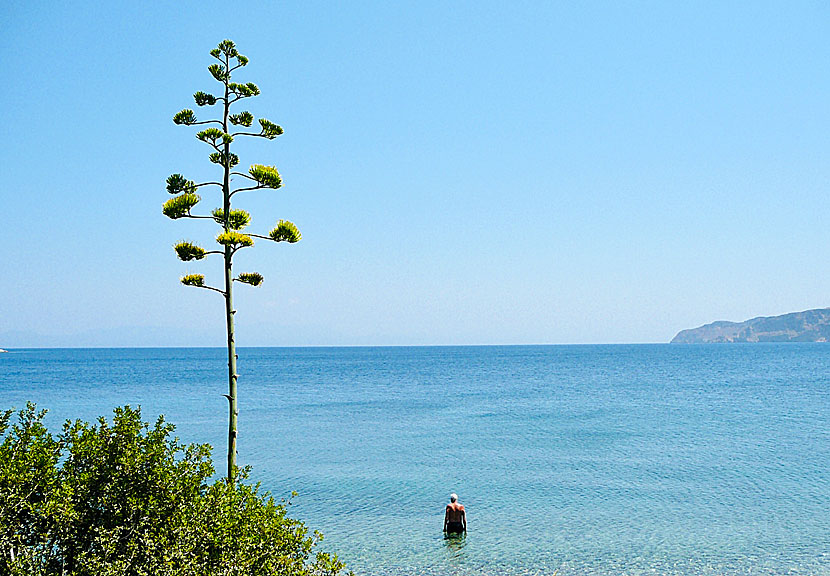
x=455, y=518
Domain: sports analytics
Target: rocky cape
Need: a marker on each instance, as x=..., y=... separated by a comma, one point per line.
x=807, y=326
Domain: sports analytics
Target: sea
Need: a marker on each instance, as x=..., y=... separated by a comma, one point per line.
x=570, y=460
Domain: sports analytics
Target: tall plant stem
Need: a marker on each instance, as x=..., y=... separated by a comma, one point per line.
x=233, y=410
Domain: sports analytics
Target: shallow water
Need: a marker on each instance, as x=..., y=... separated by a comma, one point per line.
x=617, y=460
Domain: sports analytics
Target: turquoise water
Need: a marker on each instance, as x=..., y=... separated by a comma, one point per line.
x=587, y=459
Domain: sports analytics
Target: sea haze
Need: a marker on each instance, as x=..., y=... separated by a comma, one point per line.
x=666, y=459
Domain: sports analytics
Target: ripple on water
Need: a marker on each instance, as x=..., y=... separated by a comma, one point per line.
x=589, y=460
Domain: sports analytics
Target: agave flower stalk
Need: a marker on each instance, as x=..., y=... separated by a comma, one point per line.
x=219, y=136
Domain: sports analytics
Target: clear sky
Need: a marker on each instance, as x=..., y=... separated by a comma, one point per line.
x=462, y=173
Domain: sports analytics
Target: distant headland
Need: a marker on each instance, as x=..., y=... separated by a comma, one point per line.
x=807, y=326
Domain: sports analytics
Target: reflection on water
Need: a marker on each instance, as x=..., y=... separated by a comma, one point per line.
x=454, y=545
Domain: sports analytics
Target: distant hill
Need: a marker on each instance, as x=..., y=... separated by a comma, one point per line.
x=807, y=326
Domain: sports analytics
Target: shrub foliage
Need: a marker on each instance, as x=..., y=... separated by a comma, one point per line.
x=126, y=498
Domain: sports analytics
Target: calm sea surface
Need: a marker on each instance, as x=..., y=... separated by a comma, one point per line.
x=586, y=459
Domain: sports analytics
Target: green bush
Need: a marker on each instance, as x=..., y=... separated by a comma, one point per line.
x=125, y=498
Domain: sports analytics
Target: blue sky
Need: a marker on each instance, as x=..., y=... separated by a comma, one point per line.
x=462, y=173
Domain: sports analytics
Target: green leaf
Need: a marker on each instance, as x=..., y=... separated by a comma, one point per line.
x=237, y=221
x=243, y=118
x=234, y=239
x=179, y=206
x=285, y=231
x=266, y=176
x=228, y=47
x=176, y=183
x=244, y=90
x=243, y=61
x=188, y=251
x=215, y=52
x=186, y=117
x=218, y=71
x=269, y=129
x=193, y=280
x=228, y=160
x=79, y=501
x=252, y=278
x=204, y=99
x=210, y=135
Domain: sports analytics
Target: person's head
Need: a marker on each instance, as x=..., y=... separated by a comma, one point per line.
x=453, y=497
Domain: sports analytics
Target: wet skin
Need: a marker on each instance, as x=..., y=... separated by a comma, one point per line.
x=455, y=514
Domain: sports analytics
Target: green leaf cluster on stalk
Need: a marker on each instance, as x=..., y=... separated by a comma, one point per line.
x=193, y=280
x=220, y=133
x=188, y=251
x=122, y=497
x=269, y=129
x=234, y=239
x=179, y=206
x=237, y=219
x=225, y=159
x=176, y=184
x=244, y=90
x=252, y=278
x=204, y=99
x=285, y=231
x=186, y=117
x=214, y=137
x=266, y=176
x=242, y=119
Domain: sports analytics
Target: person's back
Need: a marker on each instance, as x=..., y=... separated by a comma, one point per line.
x=455, y=517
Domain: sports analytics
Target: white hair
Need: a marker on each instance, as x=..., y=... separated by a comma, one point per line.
x=453, y=497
